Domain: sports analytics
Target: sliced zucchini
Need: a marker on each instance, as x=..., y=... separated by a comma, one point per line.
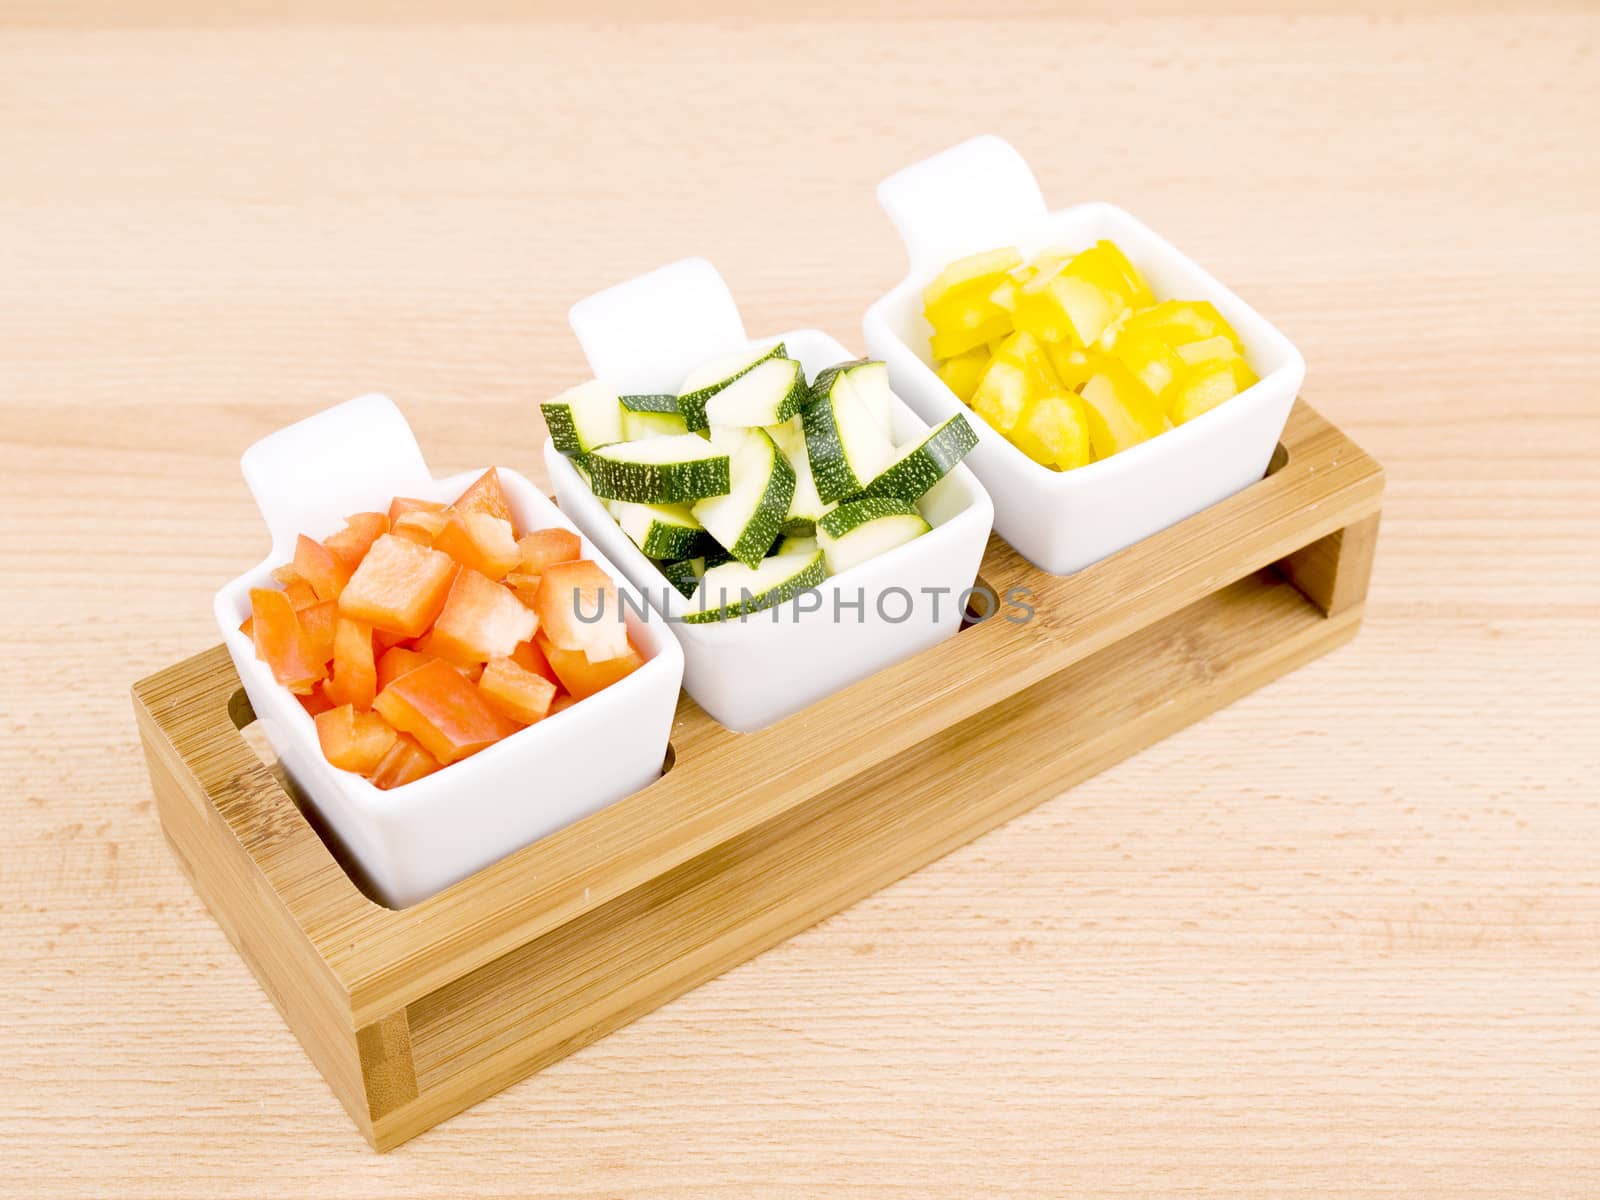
x=806, y=506
x=769, y=393
x=661, y=530
x=684, y=574
x=846, y=445
x=870, y=378
x=798, y=526
x=736, y=589
x=583, y=417
x=707, y=380
x=747, y=520
x=651, y=416
x=919, y=466
x=788, y=544
x=864, y=529
x=659, y=470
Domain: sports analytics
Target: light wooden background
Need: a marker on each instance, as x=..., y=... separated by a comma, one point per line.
x=1341, y=939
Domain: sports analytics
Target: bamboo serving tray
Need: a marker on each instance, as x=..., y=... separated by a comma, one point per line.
x=413, y=1015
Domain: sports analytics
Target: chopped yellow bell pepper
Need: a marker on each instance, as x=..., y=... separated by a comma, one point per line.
x=1063, y=308
x=1151, y=359
x=1121, y=410
x=1018, y=372
x=1180, y=322
x=1138, y=291
x=1208, y=350
x=1054, y=430
x=979, y=329
x=972, y=271
x=962, y=373
x=1208, y=386
x=1071, y=365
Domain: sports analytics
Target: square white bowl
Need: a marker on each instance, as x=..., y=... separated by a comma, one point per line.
x=980, y=195
x=415, y=840
x=645, y=336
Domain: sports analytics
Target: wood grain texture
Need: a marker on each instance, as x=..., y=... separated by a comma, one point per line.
x=1340, y=939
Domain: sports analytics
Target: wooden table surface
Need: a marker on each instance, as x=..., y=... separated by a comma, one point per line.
x=1341, y=939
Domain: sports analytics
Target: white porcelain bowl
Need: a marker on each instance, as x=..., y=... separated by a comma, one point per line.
x=415, y=840
x=645, y=336
x=980, y=195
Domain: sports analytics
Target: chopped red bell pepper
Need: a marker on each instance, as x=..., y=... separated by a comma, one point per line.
x=320, y=567
x=406, y=762
x=396, y=661
x=317, y=622
x=355, y=670
x=480, y=620
x=316, y=701
x=580, y=608
x=444, y=711
x=529, y=657
x=583, y=677
x=479, y=541
x=354, y=741
x=350, y=544
x=401, y=505
x=281, y=643
x=399, y=586
x=486, y=496
x=421, y=526
x=516, y=691
x=545, y=546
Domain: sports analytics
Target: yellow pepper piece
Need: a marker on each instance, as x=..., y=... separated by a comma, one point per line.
x=1138, y=291
x=1151, y=360
x=977, y=327
x=1179, y=322
x=1054, y=430
x=1018, y=371
x=1209, y=386
x=1120, y=409
x=1063, y=308
x=975, y=269
x=962, y=373
x=1072, y=366
x=1208, y=350
x=1001, y=393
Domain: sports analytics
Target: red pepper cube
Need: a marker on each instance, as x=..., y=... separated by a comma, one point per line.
x=480, y=620
x=399, y=586
x=485, y=496
x=582, y=676
x=444, y=711
x=580, y=608
x=480, y=541
x=516, y=691
x=354, y=741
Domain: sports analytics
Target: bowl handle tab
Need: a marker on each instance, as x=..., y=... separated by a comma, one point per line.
x=646, y=334
x=353, y=457
x=971, y=197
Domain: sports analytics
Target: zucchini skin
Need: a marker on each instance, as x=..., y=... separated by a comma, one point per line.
x=657, y=483
x=806, y=579
x=675, y=541
x=830, y=469
x=930, y=462
x=692, y=405
x=858, y=512
x=656, y=402
x=766, y=525
x=563, y=433
x=682, y=575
